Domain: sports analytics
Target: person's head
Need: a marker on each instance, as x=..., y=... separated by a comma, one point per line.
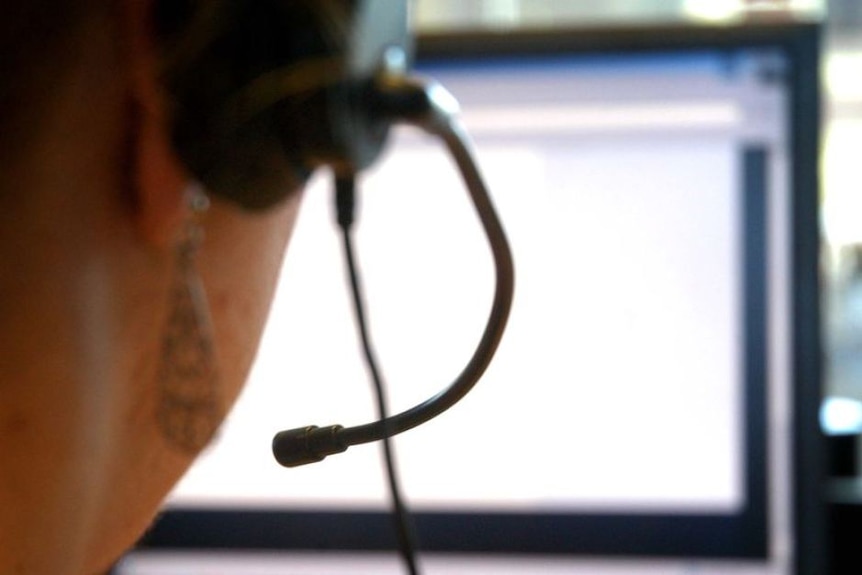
x=110, y=379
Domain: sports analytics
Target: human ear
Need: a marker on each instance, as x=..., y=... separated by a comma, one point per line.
x=158, y=179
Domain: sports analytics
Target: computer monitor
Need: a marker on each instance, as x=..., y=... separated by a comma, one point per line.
x=653, y=406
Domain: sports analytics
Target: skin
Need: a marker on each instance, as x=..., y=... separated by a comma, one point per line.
x=90, y=215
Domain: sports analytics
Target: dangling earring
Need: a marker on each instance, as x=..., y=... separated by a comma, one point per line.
x=189, y=409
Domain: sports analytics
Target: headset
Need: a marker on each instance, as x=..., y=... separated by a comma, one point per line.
x=264, y=92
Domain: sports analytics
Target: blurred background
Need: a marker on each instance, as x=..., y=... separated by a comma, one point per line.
x=841, y=209
x=841, y=136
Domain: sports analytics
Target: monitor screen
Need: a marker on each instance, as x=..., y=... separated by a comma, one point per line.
x=643, y=409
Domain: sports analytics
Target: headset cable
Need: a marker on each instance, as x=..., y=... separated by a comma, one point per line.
x=345, y=200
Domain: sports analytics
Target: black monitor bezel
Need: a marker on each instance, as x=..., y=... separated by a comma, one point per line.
x=707, y=536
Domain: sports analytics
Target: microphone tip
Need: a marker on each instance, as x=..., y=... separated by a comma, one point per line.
x=310, y=444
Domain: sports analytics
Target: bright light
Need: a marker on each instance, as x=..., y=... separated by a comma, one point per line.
x=840, y=415
x=843, y=80
x=713, y=10
x=722, y=10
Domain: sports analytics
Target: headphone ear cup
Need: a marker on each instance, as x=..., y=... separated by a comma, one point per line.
x=215, y=52
x=264, y=92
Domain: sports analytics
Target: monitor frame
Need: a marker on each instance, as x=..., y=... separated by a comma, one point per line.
x=196, y=529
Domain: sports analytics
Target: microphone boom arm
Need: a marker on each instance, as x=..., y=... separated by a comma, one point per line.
x=429, y=106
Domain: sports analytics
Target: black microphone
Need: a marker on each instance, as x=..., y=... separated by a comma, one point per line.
x=395, y=97
x=309, y=444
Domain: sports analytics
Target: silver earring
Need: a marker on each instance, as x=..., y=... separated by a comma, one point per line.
x=189, y=409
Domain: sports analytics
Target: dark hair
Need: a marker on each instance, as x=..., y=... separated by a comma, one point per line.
x=35, y=41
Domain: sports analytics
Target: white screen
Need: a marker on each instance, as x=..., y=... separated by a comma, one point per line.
x=619, y=387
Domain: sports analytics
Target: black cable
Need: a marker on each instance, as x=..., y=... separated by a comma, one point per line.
x=345, y=202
